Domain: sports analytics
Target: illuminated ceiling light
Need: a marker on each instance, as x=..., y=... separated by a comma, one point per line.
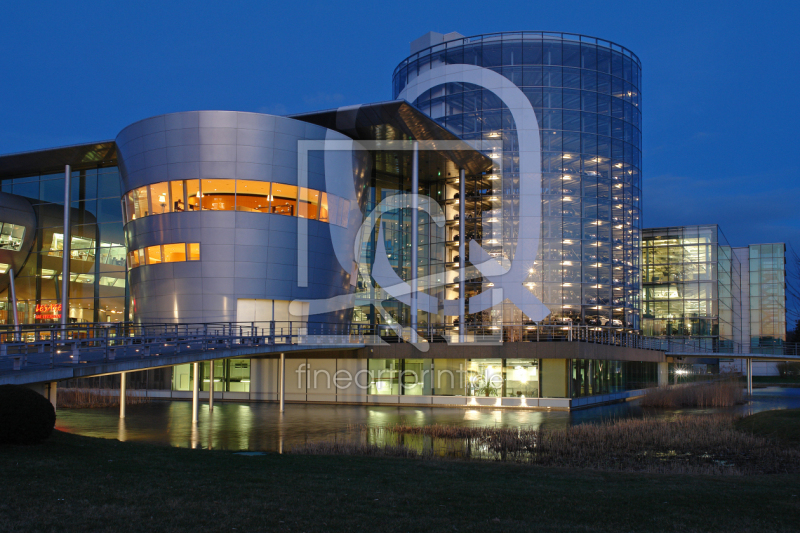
x=492, y=177
x=618, y=165
x=494, y=135
x=494, y=156
x=566, y=178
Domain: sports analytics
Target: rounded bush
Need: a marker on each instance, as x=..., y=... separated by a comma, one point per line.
x=26, y=417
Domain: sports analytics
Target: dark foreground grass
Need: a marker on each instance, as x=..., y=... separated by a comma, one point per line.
x=73, y=483
x=783, y=425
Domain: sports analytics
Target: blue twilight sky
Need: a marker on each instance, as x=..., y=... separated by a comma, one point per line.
x=720, y=79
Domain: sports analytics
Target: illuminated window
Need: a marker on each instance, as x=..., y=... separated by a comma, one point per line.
x=309, y=203
x=218, y=195
x=193, y=195
x=159, y=196
x=284, y=199
x=174, y=252
x=178, y=196
x=167, y=253
x=252, y=196
x=11, y=236
x=240, y=195
x=194, y=251
x=153, y=254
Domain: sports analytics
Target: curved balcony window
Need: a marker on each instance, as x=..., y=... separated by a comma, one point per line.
x=235, y=195
x=164, y=253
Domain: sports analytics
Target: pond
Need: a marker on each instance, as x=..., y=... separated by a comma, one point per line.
x=261, y=427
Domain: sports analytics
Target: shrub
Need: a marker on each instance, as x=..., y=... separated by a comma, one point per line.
x=723, y=393
x=26, y=417
x=788, y=369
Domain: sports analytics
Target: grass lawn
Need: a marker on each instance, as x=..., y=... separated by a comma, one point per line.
x=74, y=483
x=782, y=424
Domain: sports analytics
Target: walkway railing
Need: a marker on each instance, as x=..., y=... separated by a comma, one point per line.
x=49, y=345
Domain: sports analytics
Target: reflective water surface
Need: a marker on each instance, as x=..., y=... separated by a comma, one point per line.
x=261, y=427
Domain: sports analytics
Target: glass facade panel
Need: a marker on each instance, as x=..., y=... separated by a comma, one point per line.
x=97, y=285
x=218, y=195
x=252, y=196
x=284, y=199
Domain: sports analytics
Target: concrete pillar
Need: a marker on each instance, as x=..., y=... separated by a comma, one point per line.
x=123, y=393
x=52, y=393
x=195, y=391
x=663, y=374
x=749, y=376
x=282, y=382
x=462, y=254
x=211, y=387
x=414, y=236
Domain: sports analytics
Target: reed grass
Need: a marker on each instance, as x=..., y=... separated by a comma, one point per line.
x=707, y=444
x=94, y=398
x=726, y=392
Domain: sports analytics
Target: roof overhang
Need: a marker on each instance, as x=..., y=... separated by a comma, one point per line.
x=78, y=156
x=398, y=120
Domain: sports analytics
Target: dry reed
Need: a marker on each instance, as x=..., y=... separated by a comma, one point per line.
x=723, y=393
x=93, y=398
x=707, y=444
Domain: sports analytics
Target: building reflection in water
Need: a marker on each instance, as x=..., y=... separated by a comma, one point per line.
x=261, y=427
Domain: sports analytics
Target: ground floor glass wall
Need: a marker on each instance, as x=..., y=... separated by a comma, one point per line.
x=591, y=377
x=230, y=375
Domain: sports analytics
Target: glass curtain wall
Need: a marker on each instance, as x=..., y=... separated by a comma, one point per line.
x=230, y=375
x=97, y=289
x=592, y=376
x=585, y=94
x=691, y=286
x=767, y=297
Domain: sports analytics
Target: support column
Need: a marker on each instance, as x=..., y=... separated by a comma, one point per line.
x=663, y=374
x=13, y=289
x=414, y=236
x=211, y=387
x=462, y=255
x=65, y=251
x=749, y=376
x=123, y=393
x=282, y=383
x=195, y=391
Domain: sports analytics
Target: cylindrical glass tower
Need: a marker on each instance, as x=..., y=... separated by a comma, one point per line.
x=584, y=146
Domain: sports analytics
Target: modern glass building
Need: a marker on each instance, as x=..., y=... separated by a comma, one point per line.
x=35, y=182
x=560, y=116
x=692, y=286
x=523, y=153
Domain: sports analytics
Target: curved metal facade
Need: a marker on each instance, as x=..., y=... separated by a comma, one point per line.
x=582, y=151
x=242, y=255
